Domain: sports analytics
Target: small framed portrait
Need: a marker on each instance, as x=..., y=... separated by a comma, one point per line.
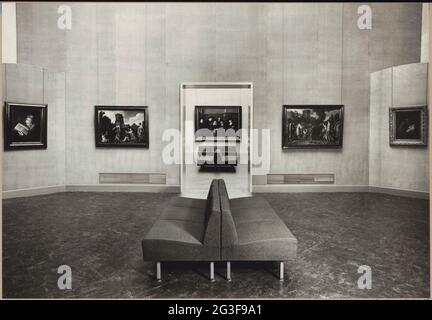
x=25, y=126
x=408, y=126
x=121, y=126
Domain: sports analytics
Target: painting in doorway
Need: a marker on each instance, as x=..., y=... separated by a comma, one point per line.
x=217, y=123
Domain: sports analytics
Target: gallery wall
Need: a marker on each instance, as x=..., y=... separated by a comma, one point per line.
x=397, y=167
x=327, y=60
x=26, y=169
x=120, y=54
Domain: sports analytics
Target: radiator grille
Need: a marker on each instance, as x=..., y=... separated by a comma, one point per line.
x=132, y=178
x=321, y=178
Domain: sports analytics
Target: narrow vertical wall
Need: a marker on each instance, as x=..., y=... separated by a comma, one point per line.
x=395, y=38
x=115, y=70
x=24, y=169
x=9, y=34
x=424, y=57
x=311, y=62
x=401, y=167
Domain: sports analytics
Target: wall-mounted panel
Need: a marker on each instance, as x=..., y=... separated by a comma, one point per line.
x=82, y=93
x=25, y=169
x=398, y=167
x=380, y=99
x=409, y=85
x=355, y=97
x=395, y=38
x=311, y=62
x=40, y=42
x=9, y=32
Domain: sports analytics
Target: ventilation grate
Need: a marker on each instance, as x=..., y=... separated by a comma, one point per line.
x=319, y=178
x=132, y=178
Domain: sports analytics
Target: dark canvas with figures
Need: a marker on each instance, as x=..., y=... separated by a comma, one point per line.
x=25, y=126
x=219, y=122
x=312, y=126
x=121, y=126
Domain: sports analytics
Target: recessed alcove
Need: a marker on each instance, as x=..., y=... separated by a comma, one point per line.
x=194, y=181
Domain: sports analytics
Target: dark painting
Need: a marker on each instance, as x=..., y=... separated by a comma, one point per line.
x=217, y=122
x=408, y=126
x=121, y=126
x=25, y=126
x=312, y=126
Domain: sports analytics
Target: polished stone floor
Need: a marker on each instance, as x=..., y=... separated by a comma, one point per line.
x=98, y=235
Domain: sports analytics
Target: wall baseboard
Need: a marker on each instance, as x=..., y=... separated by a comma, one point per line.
x=123, y=188
x=281, y=188
x=307, y=188
x=400, y=192
x=19, y=193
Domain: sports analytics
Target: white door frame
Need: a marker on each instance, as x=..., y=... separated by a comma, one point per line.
x=215, y=85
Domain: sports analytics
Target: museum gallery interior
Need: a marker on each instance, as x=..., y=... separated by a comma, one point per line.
x=215, y=150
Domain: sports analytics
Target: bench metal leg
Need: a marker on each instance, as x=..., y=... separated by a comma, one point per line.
x=212, y=271
x=229, y=270
x=158, y=271
x=281, y=271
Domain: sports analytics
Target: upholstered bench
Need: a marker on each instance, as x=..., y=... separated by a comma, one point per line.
x=252, y=231
x=219, y=229
x=187, y=230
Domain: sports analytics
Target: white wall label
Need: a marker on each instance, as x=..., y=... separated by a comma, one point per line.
x=64, y=22
x=64, y=282
x=364, y=22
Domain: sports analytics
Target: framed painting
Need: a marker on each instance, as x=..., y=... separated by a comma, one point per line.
x=25, y=126
x=121, y=126
x=408, y=126
x=312, y=126
x=217, y=122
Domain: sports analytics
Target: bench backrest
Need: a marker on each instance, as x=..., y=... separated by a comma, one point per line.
x=212, y=221
x=228, y=229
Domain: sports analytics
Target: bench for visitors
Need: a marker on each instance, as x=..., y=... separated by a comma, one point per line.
x=187, y=230
x=252, y=231
x=219, y=229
